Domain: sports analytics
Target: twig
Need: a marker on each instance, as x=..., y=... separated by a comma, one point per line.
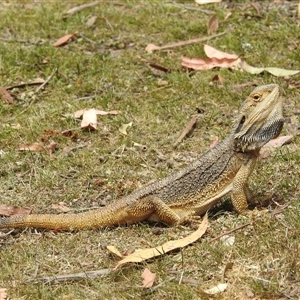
x=20, y=41
x=72, y=277
x=208, y=12
x=81, y=7
x=150, y=48
x=46, y=81
x=274, y=213
x=187, y=130
x=3, y=235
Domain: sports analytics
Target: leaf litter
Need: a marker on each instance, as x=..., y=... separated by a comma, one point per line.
x=147, y=253
x=216, y=58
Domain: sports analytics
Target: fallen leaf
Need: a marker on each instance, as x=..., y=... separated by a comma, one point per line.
x=227, y=15
x=78, y=114
x=144, y=254
x=213, y=24
x=228, y=240
x=270, y=147
x=63, y=40
x=207, y=1
x=124, y=127
x=91, y=21
x=52, y=146
x=81, y=7
x=89, y=119
x=212, y=52
x=256, y=7
x=274, y=71
x=61, y=207
x=221, y=287
x=9, y=210
x=148, y=278
x=114, y=250
x=209, y=63
x=3, y=294
x=5, y=96
x=31, y=147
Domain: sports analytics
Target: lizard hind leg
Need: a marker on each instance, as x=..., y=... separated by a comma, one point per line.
x=158, y=211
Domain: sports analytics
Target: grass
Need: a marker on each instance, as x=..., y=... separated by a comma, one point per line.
x=108, y=64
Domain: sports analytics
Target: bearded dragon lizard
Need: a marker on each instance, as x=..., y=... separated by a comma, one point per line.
x=191, y=191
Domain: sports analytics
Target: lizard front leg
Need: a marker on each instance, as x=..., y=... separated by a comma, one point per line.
x=240, y=190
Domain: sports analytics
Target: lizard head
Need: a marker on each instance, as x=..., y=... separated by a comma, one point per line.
x=259, y=119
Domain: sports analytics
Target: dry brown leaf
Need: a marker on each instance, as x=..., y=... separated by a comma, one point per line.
x=63, y=40
x=144, y=254
x=221, y=287
x=9, y=210
x=89, y=119
x=114, y=250
x=148, y=278
x=270, y=147
x=209, y=63
x=256, y=7
x=91, y=21
x=61, y=207
x=212, y=52
x=213, y=24
x=3, y=294
x=31, y=147
x=52, y=147
x=5, y=96
x=227, y=15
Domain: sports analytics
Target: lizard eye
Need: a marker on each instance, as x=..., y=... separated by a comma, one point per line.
x=256, y=97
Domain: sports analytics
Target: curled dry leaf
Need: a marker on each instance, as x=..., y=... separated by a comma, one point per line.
x=221, y=287
x=114, y=250
x=5, y=96
x=3, y=294
x=9, y=210
x=89, y=119
x=144, y=254
x=212, y=52
x=213, y=24
x=270, y=147
x=148, y=278
x=209, y=63
x=124, y=127
x=91, y=21
x=31, y=147
x=63, y=40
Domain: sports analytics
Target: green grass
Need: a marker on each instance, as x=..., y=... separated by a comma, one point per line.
x=108, y=63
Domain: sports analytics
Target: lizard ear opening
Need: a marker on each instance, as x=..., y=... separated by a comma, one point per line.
x=241, y=123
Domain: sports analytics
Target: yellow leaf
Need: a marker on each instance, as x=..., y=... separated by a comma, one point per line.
x=144, y=254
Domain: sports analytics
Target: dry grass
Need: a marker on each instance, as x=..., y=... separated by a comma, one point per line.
x=108, y=64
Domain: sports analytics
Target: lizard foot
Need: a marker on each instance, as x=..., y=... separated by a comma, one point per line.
x=192, y=221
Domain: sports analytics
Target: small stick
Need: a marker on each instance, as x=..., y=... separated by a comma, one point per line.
x=186, y=131
x=274, y=213
x=46, y=81
x=74, y=276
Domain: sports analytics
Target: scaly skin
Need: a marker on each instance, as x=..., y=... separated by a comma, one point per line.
x=191, y=191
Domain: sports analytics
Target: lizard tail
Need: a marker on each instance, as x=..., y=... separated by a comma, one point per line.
x=98, y=218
